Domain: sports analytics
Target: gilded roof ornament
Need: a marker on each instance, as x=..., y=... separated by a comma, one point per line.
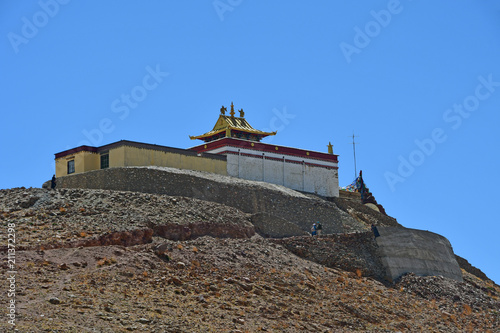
x=225, y=125
x=330, y=148
x=232, y=110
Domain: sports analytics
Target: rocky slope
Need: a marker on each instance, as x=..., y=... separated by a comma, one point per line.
x=108, y=261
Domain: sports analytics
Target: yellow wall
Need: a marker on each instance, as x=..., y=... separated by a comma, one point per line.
x=144, y=157
x=132, y=156
x=117, y=157
x=92, y=161
x=61, y=167
x=84, y=161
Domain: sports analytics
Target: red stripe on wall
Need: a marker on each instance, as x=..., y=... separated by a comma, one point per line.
x=264, y=147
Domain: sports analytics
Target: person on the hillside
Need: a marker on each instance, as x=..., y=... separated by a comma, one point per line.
x=319, y=228
x=53, y=182
x=313, y=230
x=375, y=231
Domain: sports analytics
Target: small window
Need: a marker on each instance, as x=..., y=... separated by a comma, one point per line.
x=71, y=166
x=104, y=161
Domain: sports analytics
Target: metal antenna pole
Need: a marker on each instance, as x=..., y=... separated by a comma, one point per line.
x=354, y=151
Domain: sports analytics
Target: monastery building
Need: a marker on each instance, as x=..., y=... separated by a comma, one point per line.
x=233, y=147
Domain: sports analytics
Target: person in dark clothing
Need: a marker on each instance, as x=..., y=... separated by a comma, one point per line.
x=53, y=182
x=375, y=231
x=319, y=228
x=314, y=230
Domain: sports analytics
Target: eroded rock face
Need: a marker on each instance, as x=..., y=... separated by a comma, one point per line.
x=195, y=230
x=123, y=238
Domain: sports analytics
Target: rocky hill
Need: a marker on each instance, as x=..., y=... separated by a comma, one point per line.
x=90, y=260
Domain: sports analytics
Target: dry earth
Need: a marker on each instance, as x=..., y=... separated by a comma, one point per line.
x=102, y=261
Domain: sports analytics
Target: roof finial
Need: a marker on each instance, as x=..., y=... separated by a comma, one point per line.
x=223, y=110
x=232, y=110
x=330, y=148
x=242, y=114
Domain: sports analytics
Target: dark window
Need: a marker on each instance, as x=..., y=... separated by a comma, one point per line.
x=104, y=161
x=71, y=166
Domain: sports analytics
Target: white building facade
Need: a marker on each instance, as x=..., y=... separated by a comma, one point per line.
x=298, y=169
x=248, y=158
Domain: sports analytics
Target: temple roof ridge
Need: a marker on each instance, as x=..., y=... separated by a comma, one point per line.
x=231, y=126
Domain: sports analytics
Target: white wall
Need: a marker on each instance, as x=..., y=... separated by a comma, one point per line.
x=298, y=176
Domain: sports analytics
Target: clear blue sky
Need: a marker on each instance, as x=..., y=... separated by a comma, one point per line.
x=417, y=81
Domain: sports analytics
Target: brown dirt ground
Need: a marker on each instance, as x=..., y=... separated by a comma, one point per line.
x=207, y=284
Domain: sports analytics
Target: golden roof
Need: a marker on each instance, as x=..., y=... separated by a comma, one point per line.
x=232, y=123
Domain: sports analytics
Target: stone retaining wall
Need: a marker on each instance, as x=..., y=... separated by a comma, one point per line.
x=356, y=196
x=396, y=252
x=403, y=250
x=248, y=196
x=353, y=252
